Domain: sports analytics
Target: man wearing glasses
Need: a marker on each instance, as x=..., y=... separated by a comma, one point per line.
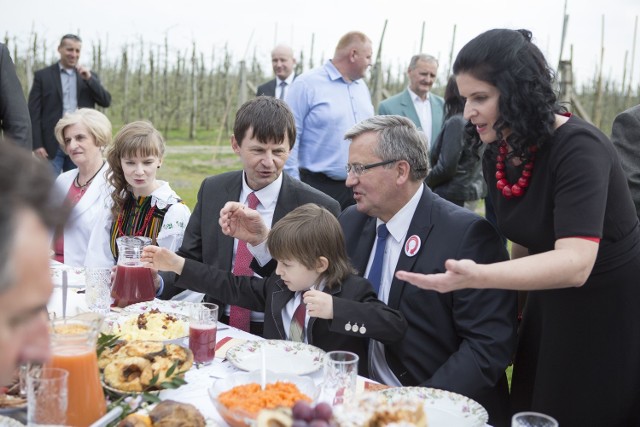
x=461, y=341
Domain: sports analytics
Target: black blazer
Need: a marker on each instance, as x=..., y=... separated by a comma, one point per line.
x=204, y=240
x=14, y=114
x=354, y=301
x=269, y=88
x=460, y=341
x=45, y=104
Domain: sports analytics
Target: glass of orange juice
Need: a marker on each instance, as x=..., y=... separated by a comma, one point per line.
x=73, y=347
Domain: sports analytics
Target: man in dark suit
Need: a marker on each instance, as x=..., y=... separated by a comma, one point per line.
x=625, y=135
x=263, y=134
x=283, y=64
x=58, y=89
x=14, y=114
x=461, y=341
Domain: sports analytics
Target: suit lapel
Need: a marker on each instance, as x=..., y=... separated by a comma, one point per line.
x=420, y=226
x=436, y=119
x=225, y=243
x=57, y=80
x=280, y=297
x=287, y=199
x=365, y=243
x=91, y=197
x=409, y=110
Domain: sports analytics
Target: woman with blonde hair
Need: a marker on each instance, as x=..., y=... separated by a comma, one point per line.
x=83, y=135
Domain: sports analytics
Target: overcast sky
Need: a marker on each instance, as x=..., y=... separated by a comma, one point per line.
x=245, y=25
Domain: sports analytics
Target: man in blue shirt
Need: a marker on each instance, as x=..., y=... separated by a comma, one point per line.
x=326, y=102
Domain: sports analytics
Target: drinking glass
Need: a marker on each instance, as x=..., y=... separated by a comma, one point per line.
x=533, y=419
x=47, y=396
x=98, y=289
x=203, y=327
x=340, y=376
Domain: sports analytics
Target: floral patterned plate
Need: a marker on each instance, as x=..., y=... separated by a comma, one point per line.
x=177, y=307
x=281, y=356
x=443, y=408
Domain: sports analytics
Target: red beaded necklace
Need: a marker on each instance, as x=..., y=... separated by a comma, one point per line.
x=140, y=230
x=517, y=189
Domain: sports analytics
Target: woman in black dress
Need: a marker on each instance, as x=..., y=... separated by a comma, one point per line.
x=561, y=197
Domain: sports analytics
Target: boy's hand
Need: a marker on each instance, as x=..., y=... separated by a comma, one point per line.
x=319, y=304
x=162, y=259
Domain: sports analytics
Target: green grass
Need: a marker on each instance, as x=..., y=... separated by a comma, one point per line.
x=188, y=162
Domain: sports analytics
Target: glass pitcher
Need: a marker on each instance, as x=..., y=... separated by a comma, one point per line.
x=73, y=347
x=133, y=282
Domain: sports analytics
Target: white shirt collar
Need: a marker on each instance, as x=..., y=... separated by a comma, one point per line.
x=268, y=195
x=416, y=98
x=398, y=225
x=288, y=80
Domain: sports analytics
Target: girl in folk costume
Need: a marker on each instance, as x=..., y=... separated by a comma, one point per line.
x=142, y=205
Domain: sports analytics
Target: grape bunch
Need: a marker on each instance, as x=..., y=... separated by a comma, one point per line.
x=306, y=415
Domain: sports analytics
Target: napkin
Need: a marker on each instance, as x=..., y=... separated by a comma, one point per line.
x=225, y=344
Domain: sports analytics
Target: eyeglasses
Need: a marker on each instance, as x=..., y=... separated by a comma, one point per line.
x=358, y=169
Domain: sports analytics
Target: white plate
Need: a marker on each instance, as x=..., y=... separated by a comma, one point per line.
x=443, y=408
x=281, y=356
x=113, y=324
x=9, y=422
x=178, y=307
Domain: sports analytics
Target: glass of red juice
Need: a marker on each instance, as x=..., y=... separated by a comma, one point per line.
x=203, y=326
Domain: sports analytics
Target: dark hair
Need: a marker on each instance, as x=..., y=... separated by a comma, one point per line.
x=269, y=119
x=453, y=102
x=508, y=60
x=138, y=138
x=307, y=233
x=25, y=184
x=70, y=37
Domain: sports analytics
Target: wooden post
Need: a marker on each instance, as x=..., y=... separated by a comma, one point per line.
x=453, y=43
x=377, y=73
x=597, y=103
x=633, y=59
x=194, y=94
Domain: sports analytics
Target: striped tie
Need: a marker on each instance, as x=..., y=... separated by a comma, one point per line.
x=240, y=317
x=297, y=329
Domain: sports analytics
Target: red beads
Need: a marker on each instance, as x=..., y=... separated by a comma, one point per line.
x=513, y=190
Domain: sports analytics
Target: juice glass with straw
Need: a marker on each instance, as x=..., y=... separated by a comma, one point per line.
x=73, y=347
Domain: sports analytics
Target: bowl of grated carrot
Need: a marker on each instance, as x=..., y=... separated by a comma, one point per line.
x=239, y=397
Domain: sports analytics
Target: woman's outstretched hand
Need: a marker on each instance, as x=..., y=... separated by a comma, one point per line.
x=460, y=274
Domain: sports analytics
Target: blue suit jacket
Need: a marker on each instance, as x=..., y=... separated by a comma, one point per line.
x=401, y=104
x=460, y=341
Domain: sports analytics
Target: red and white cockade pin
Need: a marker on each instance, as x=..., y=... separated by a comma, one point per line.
x=412, y=245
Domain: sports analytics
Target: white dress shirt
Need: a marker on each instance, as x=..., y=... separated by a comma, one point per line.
x=423, y=108
x=398, y=227
x=279, y=87
x=268, y=197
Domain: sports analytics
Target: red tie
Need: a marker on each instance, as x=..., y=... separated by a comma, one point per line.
x=296, y=330
x=241, y=317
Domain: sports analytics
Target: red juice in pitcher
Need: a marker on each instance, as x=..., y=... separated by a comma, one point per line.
x=202, y=342
x=132, y=284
